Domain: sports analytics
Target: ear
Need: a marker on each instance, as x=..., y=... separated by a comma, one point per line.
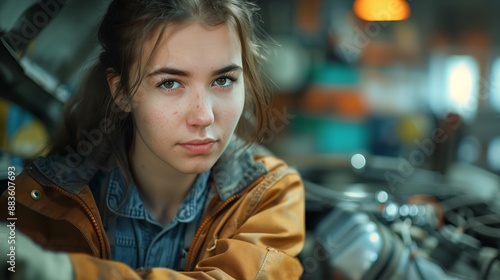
x=120, y=98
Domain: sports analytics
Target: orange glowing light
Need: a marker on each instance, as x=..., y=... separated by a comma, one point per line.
x=382, y=10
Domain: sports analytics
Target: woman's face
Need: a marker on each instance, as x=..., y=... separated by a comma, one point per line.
x=187, y=106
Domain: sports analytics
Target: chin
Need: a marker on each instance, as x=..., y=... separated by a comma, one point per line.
x=195, y=167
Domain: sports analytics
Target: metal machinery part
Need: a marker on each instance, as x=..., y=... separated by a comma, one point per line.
x=354, y=245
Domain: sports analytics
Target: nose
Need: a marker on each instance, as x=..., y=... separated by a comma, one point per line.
x=200, y=110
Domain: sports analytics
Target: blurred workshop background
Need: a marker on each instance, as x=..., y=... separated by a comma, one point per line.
x=381, y=104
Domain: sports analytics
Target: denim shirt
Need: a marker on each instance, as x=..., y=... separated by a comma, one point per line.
x=137, y=239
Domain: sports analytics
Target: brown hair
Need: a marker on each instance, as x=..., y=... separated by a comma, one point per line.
x=127, y=25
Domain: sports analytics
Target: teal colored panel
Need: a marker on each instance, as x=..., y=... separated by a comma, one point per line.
x=336, y=75
x=342, y=137
x=333, y=135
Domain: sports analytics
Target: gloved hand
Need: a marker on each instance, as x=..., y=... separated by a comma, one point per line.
x=23, y=259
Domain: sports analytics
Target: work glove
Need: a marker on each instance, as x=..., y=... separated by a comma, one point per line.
x=23, y=259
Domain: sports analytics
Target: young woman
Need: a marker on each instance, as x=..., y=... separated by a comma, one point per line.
x=153, y=174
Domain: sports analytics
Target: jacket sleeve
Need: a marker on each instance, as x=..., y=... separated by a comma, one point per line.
x=261, y=240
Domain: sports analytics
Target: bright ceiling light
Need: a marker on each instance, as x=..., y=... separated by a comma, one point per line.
x=382, y=10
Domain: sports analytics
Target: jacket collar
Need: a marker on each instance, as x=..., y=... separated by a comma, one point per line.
x=236, y=169
x=233, y=172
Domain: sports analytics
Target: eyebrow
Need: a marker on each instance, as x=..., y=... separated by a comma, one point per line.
x=178, y=72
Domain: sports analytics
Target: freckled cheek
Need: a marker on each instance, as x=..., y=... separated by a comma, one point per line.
x=159, y=126
x=158, y=118
x=231, y=113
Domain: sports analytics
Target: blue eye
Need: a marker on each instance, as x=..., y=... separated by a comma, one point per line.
x=224, y=81
x=169, y=85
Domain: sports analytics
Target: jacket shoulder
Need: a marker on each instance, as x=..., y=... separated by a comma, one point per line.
x=22, y=181
x=49, y=215
x=271, y=162
x=281, y=178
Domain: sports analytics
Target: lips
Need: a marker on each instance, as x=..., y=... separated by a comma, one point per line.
x=199, y=146
x=199, y=141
